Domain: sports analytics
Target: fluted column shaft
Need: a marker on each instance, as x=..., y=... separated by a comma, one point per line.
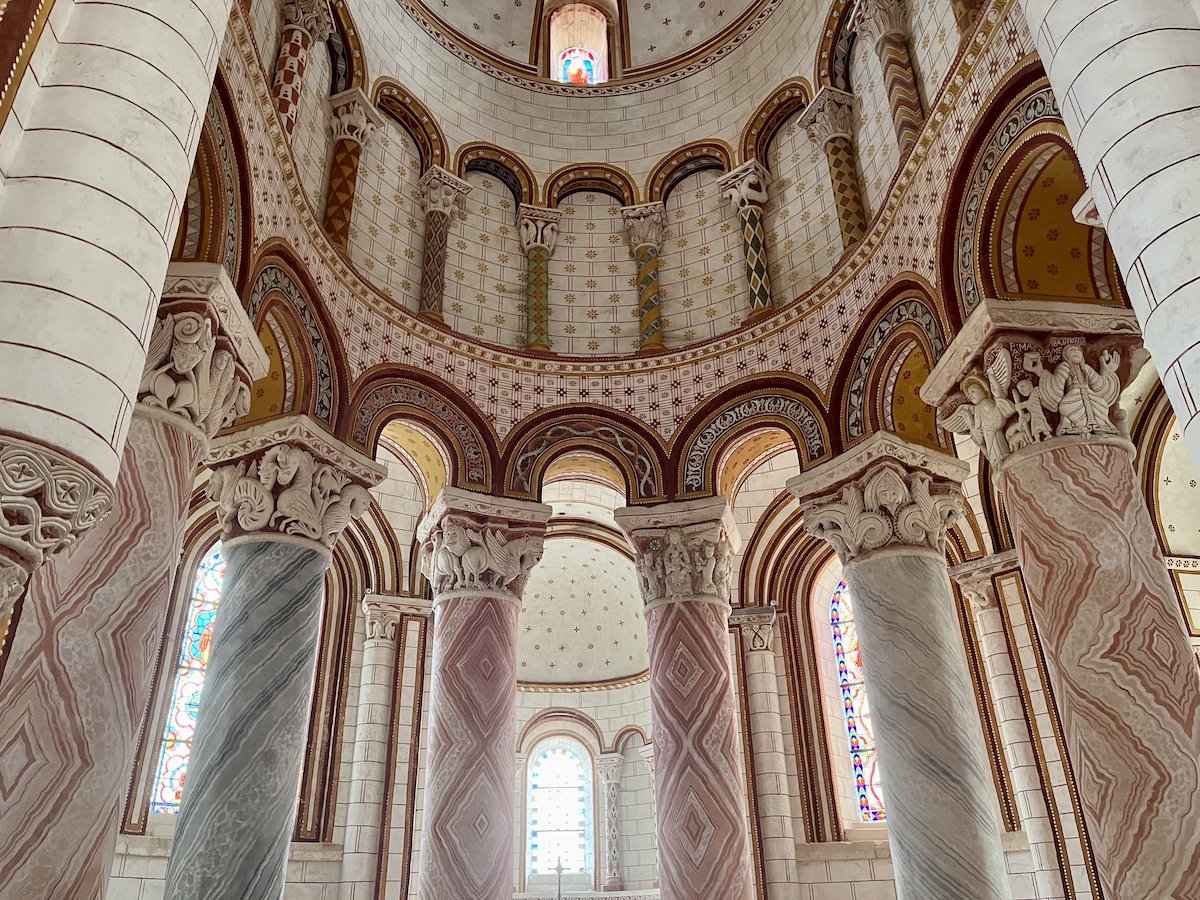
x=539, y=234
x=609, y=766
x=885, y=507
x=442, y=194
x=684, y=555
x=477, y=552
x=829, y=121
x=1117, y=650
x=881, y=23
x=746, y=189
x=1123, y=76
x=305, y=22
x=354, y=121
x=645, y=225
x=771, y=787
x=79, y=670
x=284, y=494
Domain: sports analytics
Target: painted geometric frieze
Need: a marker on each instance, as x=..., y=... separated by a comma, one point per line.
x=473, y=544
x=288, y=479
x=1049, y=371
x=885, y=492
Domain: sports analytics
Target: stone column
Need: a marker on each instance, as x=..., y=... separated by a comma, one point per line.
x=684, y=555
x=304, y=22
x=646, y=752
x=976, y=580
x=881, y=24
x=442, y=195
x=79, y=671
x=829, y=119
x=539, y=234
x=285, y=490
x=354, y=121
x=1037, y=386
x=368, y=771
x=645, y=224
x=609, y=767
x=746, y=189
x=87, y=217
x=756, y=625
x=1122, y=73
x=885, y=507
x=477, y=552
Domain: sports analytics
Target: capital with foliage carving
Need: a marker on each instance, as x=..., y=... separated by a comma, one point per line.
x=975, y=578
x=538, y=226
x=311, y=15
x=757, y=626
x=382, y=614
x=354, y=116
x=473, y=544
x=874, y=20
x=746, y=186
x=288, y=480
x=830, y=115
x=684, y=551
x=608, y=767
x=885, y=493
x=645, y=224
x=1028, y=375
x=203, y=353
x=442, y=192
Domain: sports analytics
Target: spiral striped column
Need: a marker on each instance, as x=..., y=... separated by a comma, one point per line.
x=746, y=189
x=645, y=224
x=354, y=121
x=442, y=194
x=882, y=23
x=539, y=234
x=828, y=120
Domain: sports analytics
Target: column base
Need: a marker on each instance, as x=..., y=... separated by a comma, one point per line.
x=433, y=315
x=757, y=316
x=612, y=883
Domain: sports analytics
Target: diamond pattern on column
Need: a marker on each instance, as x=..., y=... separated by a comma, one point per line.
x=847, y=196
x=343, y=181
x=754, y=243
x=695, y=828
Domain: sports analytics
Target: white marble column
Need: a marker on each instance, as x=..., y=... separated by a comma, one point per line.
x=976, y=580
x=885, y=507
x=368, y=772
x=772, y=790
x=285, y=490
x=609, y=765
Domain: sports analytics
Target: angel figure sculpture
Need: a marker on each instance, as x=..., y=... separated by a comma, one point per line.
x=985, y=418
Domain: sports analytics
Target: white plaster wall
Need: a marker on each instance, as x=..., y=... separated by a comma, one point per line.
x=703, y=265
x=266, y=23
x=878, y=154
x=387, y=224
x=402, y=502
x=803, y=236
x=312, y=142
x=933, y=43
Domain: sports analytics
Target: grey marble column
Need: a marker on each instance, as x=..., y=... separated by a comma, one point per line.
x=885, y=507
x=284, y=493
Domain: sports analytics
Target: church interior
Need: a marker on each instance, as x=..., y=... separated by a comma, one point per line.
x=629, y=449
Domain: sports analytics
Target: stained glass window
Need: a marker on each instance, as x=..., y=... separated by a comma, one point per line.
x=855, y=708
x=189, y=680
x=578, y=44
x=559, y=808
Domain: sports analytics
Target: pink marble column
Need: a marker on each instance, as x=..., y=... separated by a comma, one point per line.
x=78, y=677
x=304, y=22
x=477, y=552
x=1117, y=651
x=684, y=556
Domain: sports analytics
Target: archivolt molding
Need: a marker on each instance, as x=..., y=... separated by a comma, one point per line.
x=480, y=156
x=414, y=117
x=785, y=101
x=833, y=60
x=599, y=177
x=689, y=159
x=350, y=50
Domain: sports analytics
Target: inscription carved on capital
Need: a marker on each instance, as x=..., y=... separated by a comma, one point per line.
x=645, y=224
x=830, y=115
x=311, y=15
x=442, y=192
x=538, y=226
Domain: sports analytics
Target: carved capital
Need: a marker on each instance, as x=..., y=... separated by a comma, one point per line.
x=1019, y=377
x=746, y=186
x=757, y=626
x=538, y=226
x=311, y=15
x=885, y=493
x=647, y=753
x=47, y=500
x=203, y=352
x=289, y=480
x=645, y=224
x=473, y=544
x=442, y=192
x=974, y=578
x=1085, y=211
x=354, y=116
x=382, y=614
x=608, y=767
x=830, y=115
x=684, y=551
x=873, y=20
